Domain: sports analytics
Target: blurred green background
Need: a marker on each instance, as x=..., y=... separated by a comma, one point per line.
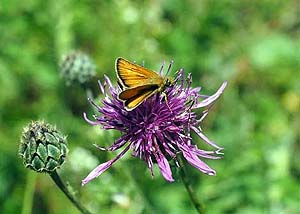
x=254, y=45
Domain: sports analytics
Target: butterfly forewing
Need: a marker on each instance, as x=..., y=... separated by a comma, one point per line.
x=132, y=75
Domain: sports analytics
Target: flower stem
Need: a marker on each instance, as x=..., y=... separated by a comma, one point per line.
x=55, y=177
x=183, y=174
x=130, y=175
x=29, y=192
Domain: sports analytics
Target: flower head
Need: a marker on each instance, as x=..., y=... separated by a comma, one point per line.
x=159, y=128
x=43, y=148
x=77, y=67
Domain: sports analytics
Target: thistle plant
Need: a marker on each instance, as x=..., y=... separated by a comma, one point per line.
x=157, y=131
x=43, y=149
x=159, y=128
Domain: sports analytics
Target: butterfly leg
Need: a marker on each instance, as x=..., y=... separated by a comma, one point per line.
x=166, y=100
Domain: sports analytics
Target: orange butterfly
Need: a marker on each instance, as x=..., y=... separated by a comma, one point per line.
x=139, y=83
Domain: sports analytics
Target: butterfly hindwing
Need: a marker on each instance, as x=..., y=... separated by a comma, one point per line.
x=135, y=96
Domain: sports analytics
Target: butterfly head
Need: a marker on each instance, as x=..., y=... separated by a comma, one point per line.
x=168, y=82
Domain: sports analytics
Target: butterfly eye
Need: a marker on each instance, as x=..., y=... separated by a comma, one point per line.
x=168, y=82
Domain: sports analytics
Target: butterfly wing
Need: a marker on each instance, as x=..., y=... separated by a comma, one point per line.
x=133, y=97
x=133, y=75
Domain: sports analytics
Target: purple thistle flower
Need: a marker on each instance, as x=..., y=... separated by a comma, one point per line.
x=159, y=128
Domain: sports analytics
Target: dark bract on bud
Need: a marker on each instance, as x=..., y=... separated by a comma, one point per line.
x=77, y=67
x=42, y=148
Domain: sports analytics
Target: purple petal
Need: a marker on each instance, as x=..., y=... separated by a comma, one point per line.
x=180, y=77
x=100, y=148
x=102, y=167
x=101, y=87
x=94, y=104
x=207, y=154
x=204, y=114
x=119, y=143
x=164, y=167
x=211, y=98
x=204, y=138
x=107, y=80
x=89, y=121
x=196, y=162
x=97, y=171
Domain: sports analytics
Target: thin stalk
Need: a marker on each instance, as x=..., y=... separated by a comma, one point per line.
x=55, y=177
x=127, y=172
x=184, y=177
x=29, y=193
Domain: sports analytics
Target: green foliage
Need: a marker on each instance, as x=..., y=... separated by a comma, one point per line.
x=254, y=45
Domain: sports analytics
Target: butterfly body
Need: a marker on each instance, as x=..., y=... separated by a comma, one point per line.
x=138, y=83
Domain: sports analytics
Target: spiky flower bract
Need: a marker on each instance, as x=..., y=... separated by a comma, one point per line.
x=77, y=67
x=43, y=148
x=159, y=128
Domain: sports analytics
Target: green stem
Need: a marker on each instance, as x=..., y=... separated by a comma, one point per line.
x=29, y=192
x=55, y=177
x=183, y=174
x=130, y=175
x=63, y=35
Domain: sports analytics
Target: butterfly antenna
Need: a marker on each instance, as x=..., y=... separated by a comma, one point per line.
x=162, y=67
x=143, y=63
x=169, y=68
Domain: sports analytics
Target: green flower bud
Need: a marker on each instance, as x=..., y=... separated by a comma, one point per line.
x=42, y=148
x=77, y=67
